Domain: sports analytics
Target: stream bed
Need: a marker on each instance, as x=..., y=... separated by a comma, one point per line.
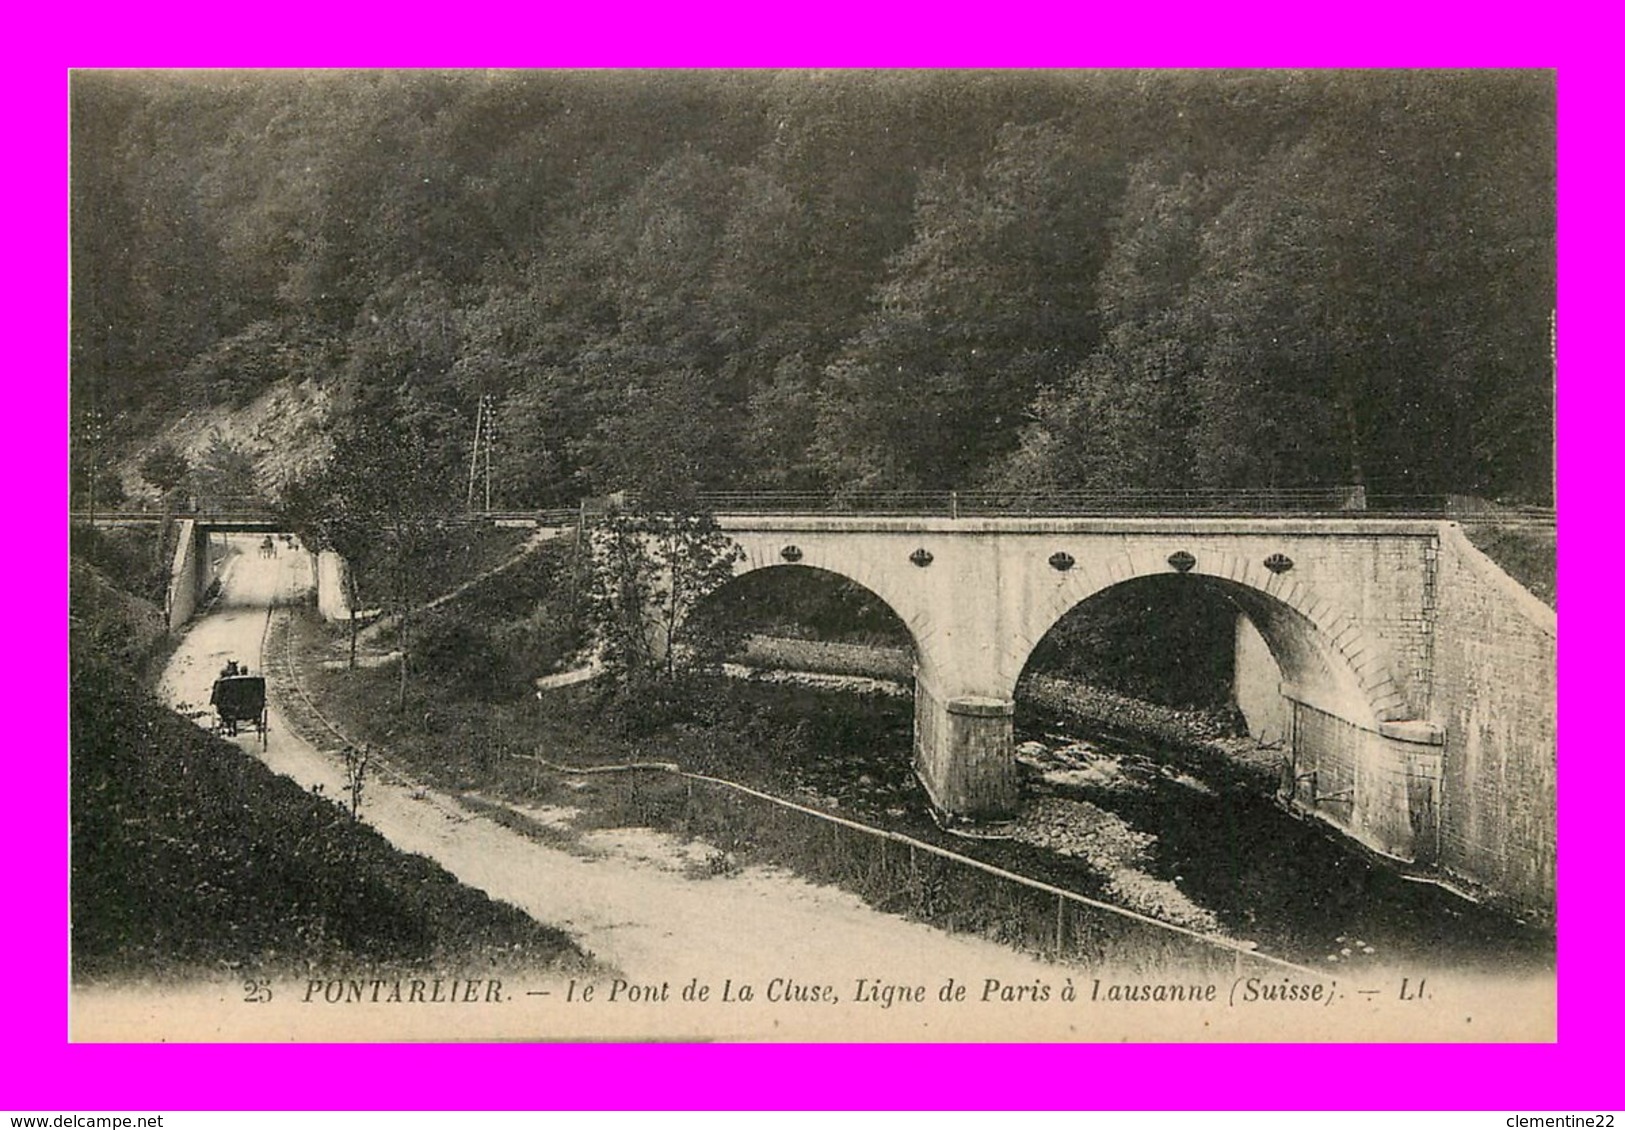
x=1115, y=817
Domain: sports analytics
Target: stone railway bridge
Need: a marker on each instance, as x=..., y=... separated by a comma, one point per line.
x=1411, y=682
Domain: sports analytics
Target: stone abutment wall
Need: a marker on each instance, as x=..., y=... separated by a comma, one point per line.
x=189, y=572
x=1495, y=695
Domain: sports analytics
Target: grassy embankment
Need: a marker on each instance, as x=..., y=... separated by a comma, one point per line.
x=190, y=858
x=117, y=578
x=1527, y=552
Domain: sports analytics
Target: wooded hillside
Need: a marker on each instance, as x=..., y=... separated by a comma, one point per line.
x=833, y=281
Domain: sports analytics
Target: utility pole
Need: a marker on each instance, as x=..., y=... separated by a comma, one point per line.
x=474, y=454
x=490, y=441
x=91, y=434
x=484, y=433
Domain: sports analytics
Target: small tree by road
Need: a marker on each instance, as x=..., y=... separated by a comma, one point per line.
x=381, y=502
x=649, y=571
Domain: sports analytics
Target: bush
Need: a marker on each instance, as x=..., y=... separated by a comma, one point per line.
x=461, y=653
x=494, y=662
x=541, y=643
x=131, y=558
x=639, y=705
x=510, y=627
x=108, y=623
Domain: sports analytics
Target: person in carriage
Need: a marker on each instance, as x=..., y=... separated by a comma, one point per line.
x=238, y=699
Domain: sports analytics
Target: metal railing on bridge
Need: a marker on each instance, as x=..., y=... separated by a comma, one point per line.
x=1338, y=502
x=990, y=503
x=1329, y=502
x=1341, y=502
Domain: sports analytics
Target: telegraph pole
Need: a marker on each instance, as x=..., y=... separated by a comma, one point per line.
x=487, y=402
x=1553, y=335
x=474, y=455
x=485, y=428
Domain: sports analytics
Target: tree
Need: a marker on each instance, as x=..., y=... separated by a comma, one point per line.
x=1122, y=418
x=238, y=368
x=991, y=301
x=649, y=571
x=93, y=480
x=781, y=422
x=920, y=280
x=1350, y=286
x=381, y=502
x=165, y=468
x=227, y=473
x=662, y=435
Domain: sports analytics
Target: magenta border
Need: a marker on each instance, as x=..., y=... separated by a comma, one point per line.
x=43, y=1072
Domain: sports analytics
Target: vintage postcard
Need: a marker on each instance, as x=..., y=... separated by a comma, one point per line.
x=813, y=556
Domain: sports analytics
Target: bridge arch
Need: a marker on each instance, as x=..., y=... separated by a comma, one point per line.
x=757, y=557
x=1326, y=658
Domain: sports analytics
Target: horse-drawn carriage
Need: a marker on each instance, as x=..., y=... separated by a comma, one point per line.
x=239, y=702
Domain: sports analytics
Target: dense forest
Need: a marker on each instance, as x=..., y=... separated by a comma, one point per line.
x=830, y=281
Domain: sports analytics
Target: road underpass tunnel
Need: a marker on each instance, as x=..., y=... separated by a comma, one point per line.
x=228, y=549
x=204, y=559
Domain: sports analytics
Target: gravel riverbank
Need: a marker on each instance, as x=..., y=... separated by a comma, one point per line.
x=1207, y=740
